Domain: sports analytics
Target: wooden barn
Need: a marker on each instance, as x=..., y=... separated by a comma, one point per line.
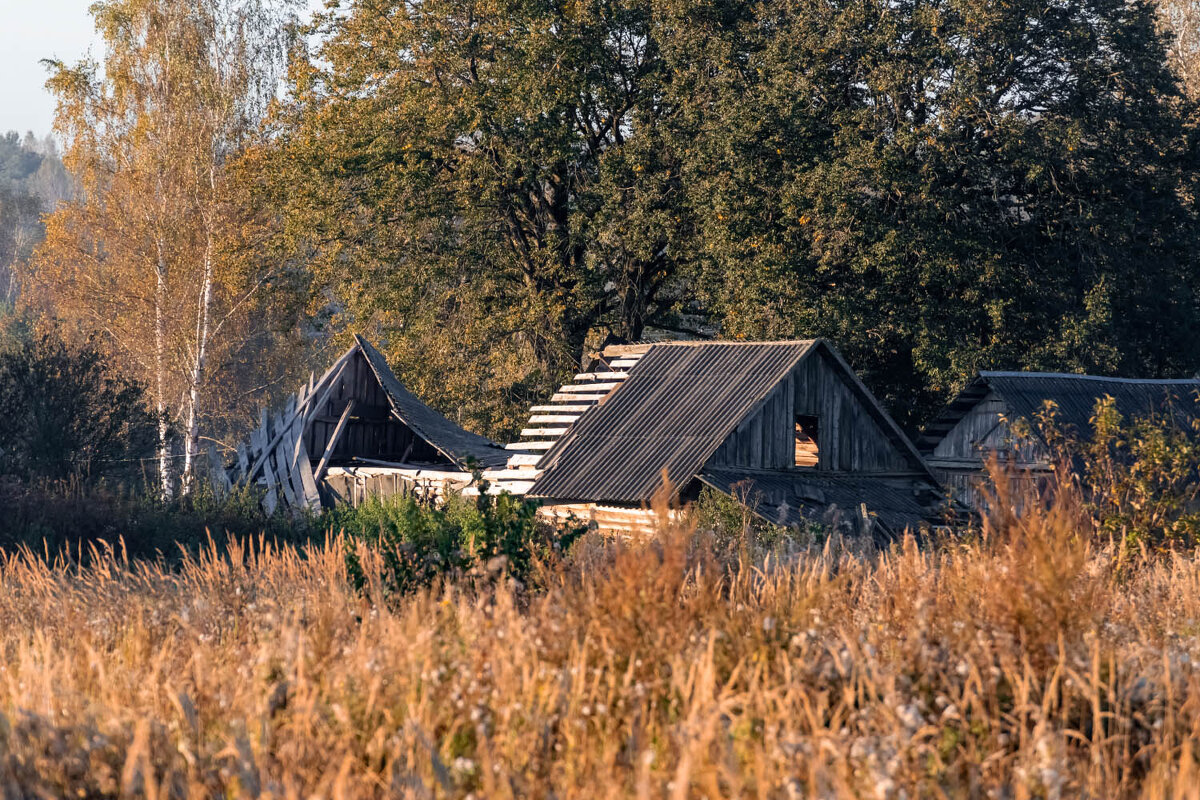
x=355, y=432
x=785, y=427
x=978, y=424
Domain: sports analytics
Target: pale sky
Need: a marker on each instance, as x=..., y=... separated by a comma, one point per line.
x=31, y=30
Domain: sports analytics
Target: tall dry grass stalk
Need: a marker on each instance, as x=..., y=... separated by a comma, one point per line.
x=1020, y=666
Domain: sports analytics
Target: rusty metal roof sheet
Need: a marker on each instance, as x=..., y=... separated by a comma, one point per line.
x=677, y=406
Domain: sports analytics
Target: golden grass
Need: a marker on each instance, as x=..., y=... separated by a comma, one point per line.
x=1022, y=665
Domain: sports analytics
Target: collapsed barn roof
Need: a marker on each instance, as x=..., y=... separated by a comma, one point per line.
x=1074, y=396
x=357, y=412
x=459, y=445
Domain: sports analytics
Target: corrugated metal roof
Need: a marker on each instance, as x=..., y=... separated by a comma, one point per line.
x=791, y=499
x=673, y=411
x=1075, y=396
x=459, y=445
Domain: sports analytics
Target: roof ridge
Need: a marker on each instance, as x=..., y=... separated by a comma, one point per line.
x=737, y=342
x=1081, y=376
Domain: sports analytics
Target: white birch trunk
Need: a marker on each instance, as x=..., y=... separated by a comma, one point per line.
x=195, y=379
x=160, y=371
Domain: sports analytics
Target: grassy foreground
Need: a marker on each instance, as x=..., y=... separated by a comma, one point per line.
x=1025, y=664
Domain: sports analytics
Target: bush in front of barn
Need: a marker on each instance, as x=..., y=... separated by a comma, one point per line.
x=420, y=541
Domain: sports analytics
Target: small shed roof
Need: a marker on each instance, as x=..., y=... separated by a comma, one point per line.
x=1074, y=395
x=459, y=445
x=670, y=415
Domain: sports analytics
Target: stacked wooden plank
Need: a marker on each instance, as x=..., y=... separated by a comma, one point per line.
x=632, y=523
x=550, y=422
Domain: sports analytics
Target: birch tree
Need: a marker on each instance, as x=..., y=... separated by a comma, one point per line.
x=149, y=254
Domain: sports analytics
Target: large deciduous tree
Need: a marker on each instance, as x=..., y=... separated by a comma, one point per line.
x=152, y=252
x=937, y=185
x=491, y=183
x=946, y=185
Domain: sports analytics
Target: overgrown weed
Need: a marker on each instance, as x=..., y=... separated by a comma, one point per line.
x=1023, y=665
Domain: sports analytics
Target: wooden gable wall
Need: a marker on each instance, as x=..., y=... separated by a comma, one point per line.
x=372, y=431
x=849, y=437
x=764, y=440
x=982, y=432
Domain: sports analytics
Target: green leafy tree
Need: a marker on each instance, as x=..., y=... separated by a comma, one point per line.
x=489, y=183
x=937, y=185
x=63, y=412
x=420, y=541
x=943, y=185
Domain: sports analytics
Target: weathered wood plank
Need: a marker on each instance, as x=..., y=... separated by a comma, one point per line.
x=512, y=487
x=528, y=473
x=590, y=387
x=577, y=397
x=334, y=438
x=543, y=431
x=308, y=483
x=553, y=418
x=529, y=446
x=271, y=495
x=243, y=461
x=522, y=459
x=601, y=376
x=561, y=407
x=282, y=453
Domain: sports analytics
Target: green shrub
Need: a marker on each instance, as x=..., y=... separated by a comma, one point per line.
x=732, y=522
x=475, y=538
x=1139, y=478
x=63, y=412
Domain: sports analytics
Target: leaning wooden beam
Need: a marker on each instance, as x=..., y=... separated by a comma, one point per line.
x=303, y=470
x=286, y=424
x=282, y=473
x=333, y=441
x=316, y=407
x=270, y=496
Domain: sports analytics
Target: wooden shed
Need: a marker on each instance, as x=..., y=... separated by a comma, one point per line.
x=785, y=427
x=978, y=424
x=355, y=432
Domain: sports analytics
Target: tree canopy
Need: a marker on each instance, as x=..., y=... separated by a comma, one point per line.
x=490, y=183
x=157, y=253
x=947, y=186
x=937, y=185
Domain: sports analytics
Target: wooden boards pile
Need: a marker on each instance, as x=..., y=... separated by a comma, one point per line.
x=276, y=458
x=550, y=422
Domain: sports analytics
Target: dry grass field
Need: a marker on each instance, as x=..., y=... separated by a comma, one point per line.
x=1023, y=664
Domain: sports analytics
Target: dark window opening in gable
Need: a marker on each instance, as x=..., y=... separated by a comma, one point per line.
x=807, y=452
